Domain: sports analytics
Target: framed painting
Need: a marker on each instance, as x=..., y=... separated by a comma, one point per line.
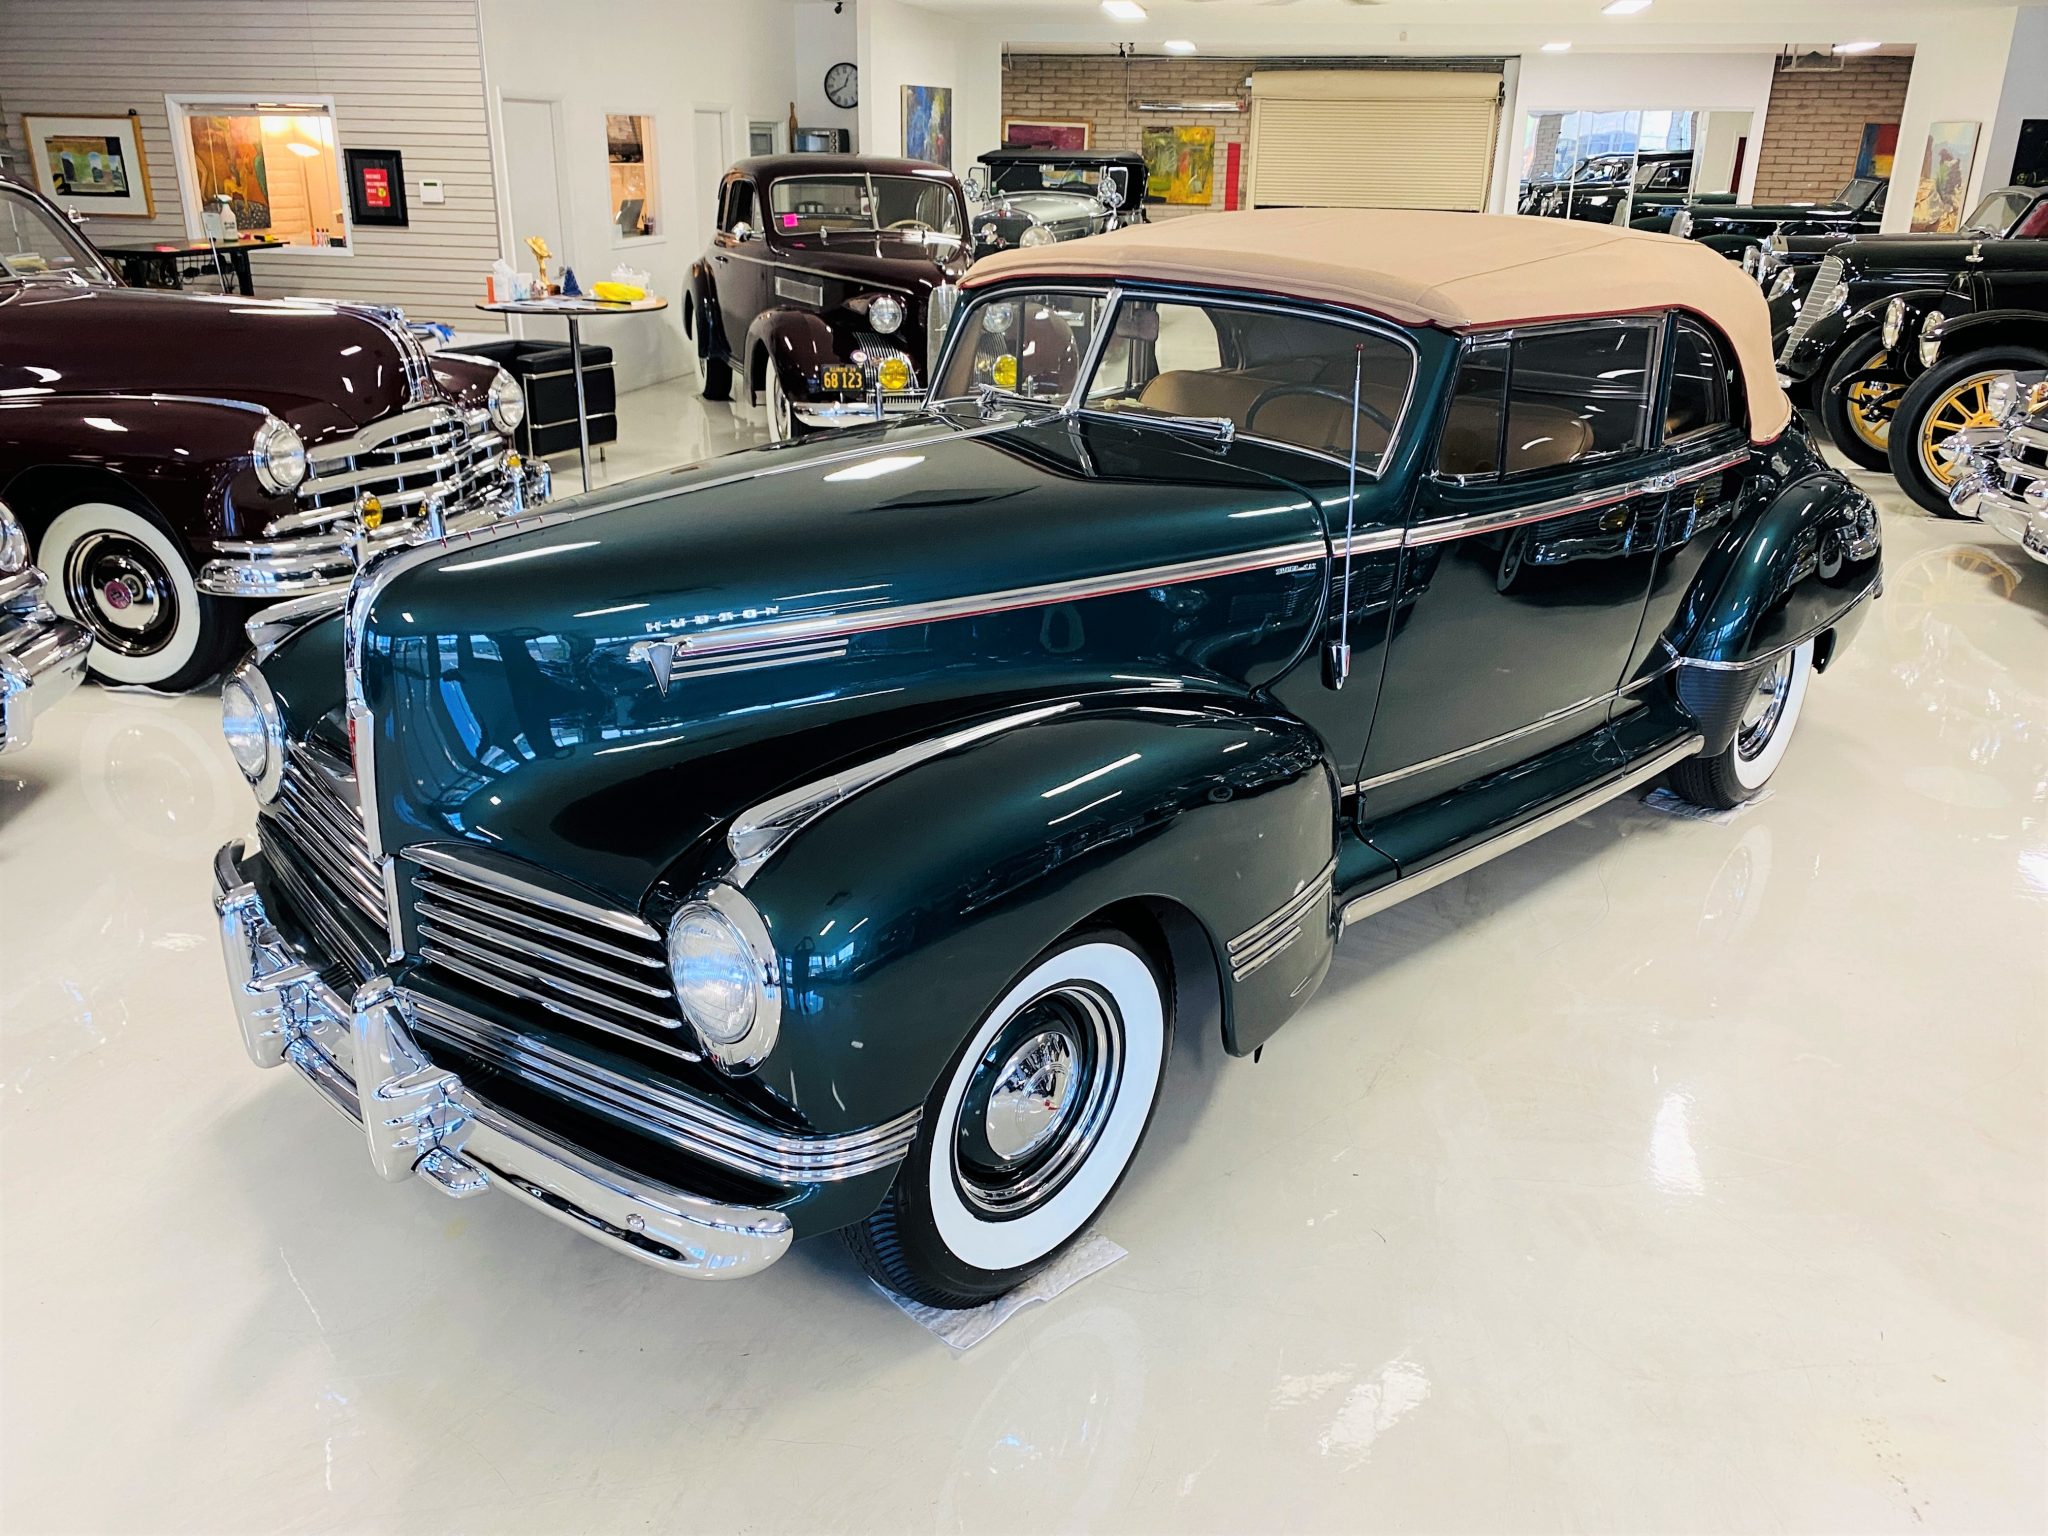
x=1046, y=132
x=93, y=164
x=376, y=187
x=928, y=124
x=228, y=161
x=1945, y=177
x=1180, y=165
x=1880, y=144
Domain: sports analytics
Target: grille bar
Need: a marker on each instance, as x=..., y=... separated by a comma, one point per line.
x=434, y=450
x=317, y=810
x=1820, y=300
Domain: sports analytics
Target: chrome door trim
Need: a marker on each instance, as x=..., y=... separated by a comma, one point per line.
x=1462, y=863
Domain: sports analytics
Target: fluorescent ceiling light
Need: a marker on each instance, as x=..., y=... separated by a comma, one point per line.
x=1178, y=45
x=1557, y=47
x=1856, y=47
x=1123, y=10
x=1624, y=7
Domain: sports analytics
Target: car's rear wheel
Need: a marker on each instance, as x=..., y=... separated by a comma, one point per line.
x=1028, y=1133
x=119, y=572
x=1858, y=417
x=714, y=374
x=1944, y=400
x=1739, y=772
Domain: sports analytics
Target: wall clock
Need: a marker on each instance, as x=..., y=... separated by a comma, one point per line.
x=842, y=85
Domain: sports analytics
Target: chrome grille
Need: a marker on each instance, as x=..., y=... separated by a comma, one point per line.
x=320, y=814
x=1820, y=300
x=604, y=969
x=874, y=350
x=436, y=450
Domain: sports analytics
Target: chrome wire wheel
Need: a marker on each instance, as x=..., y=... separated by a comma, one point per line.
x=120, y=590
x=1765, y=709
x=1038, y=1100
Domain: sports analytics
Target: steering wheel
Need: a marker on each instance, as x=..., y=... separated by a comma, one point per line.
x=912, y=224
x=1281, y=391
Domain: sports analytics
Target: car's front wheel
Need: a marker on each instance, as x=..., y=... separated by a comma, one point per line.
x=119, y=572
x=782, y=422
x=1739, y=772
x=1943, y=401
x=1858, y=417
x=1027, y=1135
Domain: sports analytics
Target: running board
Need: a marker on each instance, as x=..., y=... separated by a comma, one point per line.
x=1463, y=863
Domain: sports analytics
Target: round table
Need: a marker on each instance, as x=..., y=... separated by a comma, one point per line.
x=573, y=310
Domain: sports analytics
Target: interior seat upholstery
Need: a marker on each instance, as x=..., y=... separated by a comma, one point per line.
x=1314, y=421
x=1542, y=436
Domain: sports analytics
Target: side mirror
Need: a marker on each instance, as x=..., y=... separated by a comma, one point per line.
x=745, y=231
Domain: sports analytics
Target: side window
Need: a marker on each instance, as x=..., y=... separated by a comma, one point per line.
x=1577, y=394
x=1471, y=440
x=1699, y=384
x=739, y=206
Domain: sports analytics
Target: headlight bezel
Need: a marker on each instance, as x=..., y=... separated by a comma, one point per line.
x=505, y=403
x=722, y=911
x=279, y=457
x=1783, y=283
x=14, y=550
x=886, y=313
x=1893, y=329
x=1931, y=329
x=2004, y=399
x=268, y=776
x=1035, y=236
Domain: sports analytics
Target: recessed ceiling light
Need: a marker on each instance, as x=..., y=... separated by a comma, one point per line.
x=1123, y=10
x=1178, y=45
x=1856, y=47
x=1557, y=47
x=1624, y=7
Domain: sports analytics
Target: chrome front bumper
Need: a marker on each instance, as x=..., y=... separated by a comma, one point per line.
x=358, y=1052
x=42, y=656
x=300, y=565
x=1981, y=490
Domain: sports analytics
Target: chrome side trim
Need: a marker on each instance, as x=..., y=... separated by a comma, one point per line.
x=1536, y=512
x=1713, y=466
x=1271, y=935
x=1444, y=758
x=760, y=831
x=1462, y=863
x=433, y=856
x=1377, y=541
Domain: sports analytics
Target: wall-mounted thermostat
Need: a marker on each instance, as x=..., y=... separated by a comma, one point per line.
x=430, y=190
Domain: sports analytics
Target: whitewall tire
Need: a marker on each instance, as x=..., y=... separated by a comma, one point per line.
x=781, y=414
x=1031, y=1129
x=121, y=574
x=1770, y=712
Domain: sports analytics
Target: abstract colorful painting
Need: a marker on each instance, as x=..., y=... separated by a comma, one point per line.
x=1045, y=133
x=1945, y=177
x=227, y=157
x=1880, y=143
x=928, y=123
x=94, y=164
x=1180, y=165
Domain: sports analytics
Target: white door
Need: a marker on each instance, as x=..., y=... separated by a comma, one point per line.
x=533, y=178
x=709, y=129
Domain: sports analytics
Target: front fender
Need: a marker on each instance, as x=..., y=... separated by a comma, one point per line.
x=798, y=344
x=1994, y=327
x=902, y=914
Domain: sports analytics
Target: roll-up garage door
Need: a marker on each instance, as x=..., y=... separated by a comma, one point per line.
x=1372, y=138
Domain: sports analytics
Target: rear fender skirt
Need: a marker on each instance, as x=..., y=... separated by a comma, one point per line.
x=902, y=912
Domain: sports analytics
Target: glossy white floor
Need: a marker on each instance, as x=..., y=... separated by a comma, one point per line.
x=1662, y=1176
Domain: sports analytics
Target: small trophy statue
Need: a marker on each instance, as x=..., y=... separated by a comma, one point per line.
x=541, y=253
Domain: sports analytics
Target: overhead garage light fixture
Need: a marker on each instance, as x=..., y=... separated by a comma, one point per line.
x=1178, y=45
x=1123, y=10
x=1557, y=47
x=1857, y=47
x=1624, y=7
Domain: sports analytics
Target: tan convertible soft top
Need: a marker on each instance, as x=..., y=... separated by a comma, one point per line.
x=1460, y=271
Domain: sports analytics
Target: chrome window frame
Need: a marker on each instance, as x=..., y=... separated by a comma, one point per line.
x=1679, y=317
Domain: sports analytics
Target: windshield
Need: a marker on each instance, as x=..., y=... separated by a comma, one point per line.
x=1038, y=176
x=1858, y=192
x=36, y=243
x=1998, y=212
x=829, y=205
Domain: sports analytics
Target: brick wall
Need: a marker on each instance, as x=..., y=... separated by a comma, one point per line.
x=1815, y=125
x=1068, y=86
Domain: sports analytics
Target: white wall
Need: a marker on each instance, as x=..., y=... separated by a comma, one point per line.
x=1619, y=82
x=2025, y=94
x=824, y=38
x=1959, y=74
x=661, y=57
x=908, y=45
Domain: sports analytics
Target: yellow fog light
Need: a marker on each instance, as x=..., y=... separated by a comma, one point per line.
x=371, y=511
x=514, y=463
x=1004, y=375
x=894, y=374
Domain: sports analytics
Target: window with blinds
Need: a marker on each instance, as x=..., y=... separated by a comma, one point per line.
x=1373, y=138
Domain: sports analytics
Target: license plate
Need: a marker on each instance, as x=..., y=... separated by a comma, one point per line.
x=844, y=378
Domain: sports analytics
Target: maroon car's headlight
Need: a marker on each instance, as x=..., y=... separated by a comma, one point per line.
x=13, y=543
x=279, y=455
x=506, y=403
x=885, y=313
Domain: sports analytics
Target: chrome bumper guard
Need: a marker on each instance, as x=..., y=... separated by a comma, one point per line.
x=420, y=1120
x=42, y=656
x=326, y=559
x=1980, y=493
x=854, y=413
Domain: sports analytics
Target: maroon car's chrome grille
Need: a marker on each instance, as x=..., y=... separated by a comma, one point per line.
x=435, y=450
x=596, y=967
x=321, y=820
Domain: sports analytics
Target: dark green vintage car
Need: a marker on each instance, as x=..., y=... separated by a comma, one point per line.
x=836, y=835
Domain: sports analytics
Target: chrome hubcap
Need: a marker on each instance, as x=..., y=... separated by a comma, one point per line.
x=1038, y=1101
x=1765, y=709
x=121, y=591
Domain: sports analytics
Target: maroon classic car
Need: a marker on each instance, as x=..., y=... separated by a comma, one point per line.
x=827, y=286
x=176, y=458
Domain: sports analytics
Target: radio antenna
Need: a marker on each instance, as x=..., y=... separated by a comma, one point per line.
x=1340, y=649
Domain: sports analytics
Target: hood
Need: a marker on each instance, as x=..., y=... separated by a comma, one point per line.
x=326, y=369
x=530, y=692
x=1046, y=207
x=1933, y=257
x=881, y=260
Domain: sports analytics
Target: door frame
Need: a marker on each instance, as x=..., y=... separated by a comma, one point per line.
x=508, y=237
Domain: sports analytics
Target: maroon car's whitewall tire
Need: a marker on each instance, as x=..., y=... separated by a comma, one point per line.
x=123, y=576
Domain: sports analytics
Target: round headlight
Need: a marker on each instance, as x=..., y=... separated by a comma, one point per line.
x=13, y=543
x=507, y=403
x=1894, y=329
x=1752, y=260
x=2002, y=398
x=1784, y=282
x=721, y=963
x=1681, y=223
x=280, y=456
x=254, y=729
x=997, y=318
x=885, y=313
x=1037, y=234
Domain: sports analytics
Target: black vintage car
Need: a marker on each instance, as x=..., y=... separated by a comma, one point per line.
x=1019, y=197
x=827, y=286
x=1731, y=228
x=837, y=836
x=1829, y=295
x=1603, y=189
